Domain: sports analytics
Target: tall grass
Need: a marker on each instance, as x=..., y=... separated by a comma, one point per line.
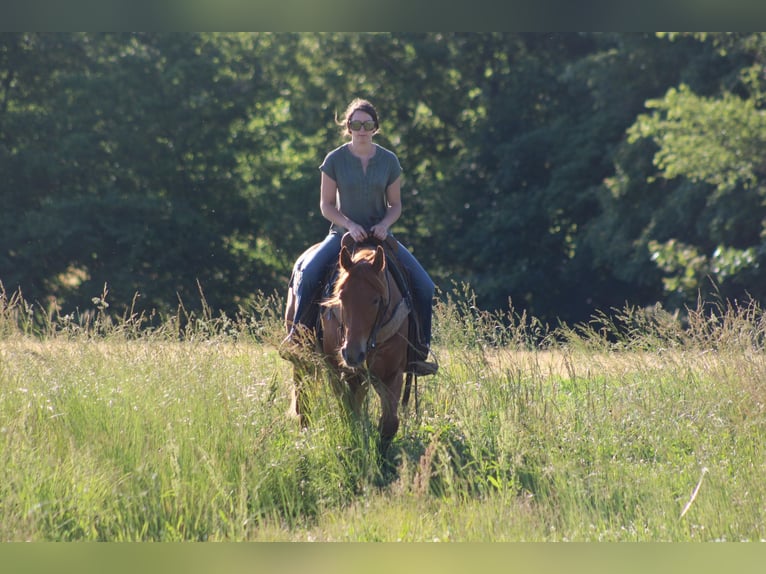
x=639, y=425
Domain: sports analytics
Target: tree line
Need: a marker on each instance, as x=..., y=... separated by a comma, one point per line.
x=564, y=173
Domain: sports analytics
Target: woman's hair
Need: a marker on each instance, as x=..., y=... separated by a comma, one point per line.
x=358, y=104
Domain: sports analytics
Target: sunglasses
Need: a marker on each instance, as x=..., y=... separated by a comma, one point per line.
x=356, y=125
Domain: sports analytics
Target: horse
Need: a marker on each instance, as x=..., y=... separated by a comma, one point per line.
x=364, y=325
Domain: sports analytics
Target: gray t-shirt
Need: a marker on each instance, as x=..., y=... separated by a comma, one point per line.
x=361, y=196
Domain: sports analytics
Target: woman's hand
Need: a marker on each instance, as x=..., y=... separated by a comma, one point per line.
x=358, y=232
x=379, y=231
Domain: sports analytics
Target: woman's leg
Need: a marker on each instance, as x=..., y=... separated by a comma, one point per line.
x=309, y=275
x=422, y=291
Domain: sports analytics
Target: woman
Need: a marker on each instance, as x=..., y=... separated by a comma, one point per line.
x=361, y=194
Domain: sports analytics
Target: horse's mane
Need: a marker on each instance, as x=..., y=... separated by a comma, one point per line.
x=362, y=269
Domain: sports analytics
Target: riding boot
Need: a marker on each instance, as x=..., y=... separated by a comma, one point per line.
x=299, y=341
x=302, y=339
x=420, y=365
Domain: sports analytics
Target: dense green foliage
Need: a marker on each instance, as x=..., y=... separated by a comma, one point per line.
x=568, y=172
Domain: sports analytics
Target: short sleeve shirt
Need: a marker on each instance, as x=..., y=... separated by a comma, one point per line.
x=361, y=196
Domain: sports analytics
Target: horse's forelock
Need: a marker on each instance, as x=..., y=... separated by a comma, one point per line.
x=362, y=267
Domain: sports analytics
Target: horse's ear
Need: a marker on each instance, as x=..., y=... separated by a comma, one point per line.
x=379, y=263
x=347, y=241
x=345, y=258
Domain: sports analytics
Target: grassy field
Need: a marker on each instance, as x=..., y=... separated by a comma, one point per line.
x=635, y=427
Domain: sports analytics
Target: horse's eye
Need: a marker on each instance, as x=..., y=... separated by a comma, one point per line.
x=376, y=301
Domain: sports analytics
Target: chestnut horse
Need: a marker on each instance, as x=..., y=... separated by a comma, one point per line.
x=364, y=325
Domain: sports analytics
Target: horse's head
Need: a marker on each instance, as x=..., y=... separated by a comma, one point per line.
x=361, y=293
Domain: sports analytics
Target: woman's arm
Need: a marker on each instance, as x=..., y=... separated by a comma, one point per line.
x=331, y=212
x=394, y=201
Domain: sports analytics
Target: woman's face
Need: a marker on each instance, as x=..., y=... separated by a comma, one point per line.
x=362, y=126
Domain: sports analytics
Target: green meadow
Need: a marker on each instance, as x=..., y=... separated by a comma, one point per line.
x=637, y=426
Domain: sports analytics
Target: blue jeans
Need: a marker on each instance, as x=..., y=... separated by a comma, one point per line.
x=311, y=270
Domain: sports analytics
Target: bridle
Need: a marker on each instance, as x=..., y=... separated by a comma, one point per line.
x=383, y=329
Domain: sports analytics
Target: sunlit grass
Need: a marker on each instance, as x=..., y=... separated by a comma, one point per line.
x=174, y=428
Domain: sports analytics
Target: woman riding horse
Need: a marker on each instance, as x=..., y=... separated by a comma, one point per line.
x=360, y=194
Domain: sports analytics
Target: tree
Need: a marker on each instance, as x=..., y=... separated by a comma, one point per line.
x=533, y=169
x=124, y=153
x=706, y=229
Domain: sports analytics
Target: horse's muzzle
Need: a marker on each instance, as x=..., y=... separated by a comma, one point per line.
x=353, y=357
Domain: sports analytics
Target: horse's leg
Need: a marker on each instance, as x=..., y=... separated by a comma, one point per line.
x=345, y=383
x=357, y=391
x=337, y=384
x=390, y=392
x=297, y=398
x=300, y=403
x=348, y=388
